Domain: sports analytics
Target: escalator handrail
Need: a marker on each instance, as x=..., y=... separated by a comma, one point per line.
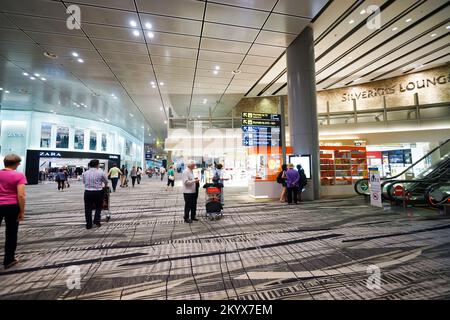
x=430, y=189
x=428, y=154
x=393, y=182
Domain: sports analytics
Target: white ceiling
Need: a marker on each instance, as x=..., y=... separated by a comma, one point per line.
x=190, y=38
x=414, y=35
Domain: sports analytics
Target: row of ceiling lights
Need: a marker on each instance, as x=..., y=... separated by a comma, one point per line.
x=76, y=55
x=34, y=76
x=136, y=32
x=6, y=91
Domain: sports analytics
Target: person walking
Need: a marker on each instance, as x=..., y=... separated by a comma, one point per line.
x=139, y=175
x=170, y=178
x=12, y=205
x=61, y=179
x=123, y=177
x=133, y=175
x=189, y=193
x=292, y=183
x=114, y=174
x=302, y=183
x=281, y=179
x=94, y=179
x=162, y=171
x=67, y=174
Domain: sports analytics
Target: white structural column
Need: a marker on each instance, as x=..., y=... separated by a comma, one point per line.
x=304, y=131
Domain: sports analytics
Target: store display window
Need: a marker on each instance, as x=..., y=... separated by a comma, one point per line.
x=62, y=137
x=93, y=141
x=46, y=135
x=79, y=140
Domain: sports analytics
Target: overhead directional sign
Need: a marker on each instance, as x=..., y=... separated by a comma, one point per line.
x=261, y=129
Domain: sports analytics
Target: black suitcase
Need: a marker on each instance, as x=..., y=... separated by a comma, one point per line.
x=212, y=207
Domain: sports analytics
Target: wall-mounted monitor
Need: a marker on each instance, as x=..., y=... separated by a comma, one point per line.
x=304, y=161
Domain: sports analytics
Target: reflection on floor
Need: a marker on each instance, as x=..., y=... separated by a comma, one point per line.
x=260, y=250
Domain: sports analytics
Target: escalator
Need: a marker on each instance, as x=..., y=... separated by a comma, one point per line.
x=425, y=182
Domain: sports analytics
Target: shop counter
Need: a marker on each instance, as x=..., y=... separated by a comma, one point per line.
x=264, y=189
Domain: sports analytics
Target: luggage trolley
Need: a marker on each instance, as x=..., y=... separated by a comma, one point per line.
x=214, y=208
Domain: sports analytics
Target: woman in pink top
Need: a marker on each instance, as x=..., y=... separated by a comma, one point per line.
x=12, y=205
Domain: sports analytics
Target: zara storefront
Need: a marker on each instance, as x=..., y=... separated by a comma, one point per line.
x=30, y=132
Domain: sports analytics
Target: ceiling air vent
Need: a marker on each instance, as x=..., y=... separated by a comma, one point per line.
x=50, y=55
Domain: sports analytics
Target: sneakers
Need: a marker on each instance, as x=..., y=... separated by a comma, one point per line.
x=12, y=264
x=187, y=220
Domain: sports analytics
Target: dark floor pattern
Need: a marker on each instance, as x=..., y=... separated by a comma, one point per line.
x=260, y=250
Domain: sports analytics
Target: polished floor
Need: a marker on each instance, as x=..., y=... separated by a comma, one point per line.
x=259, y=250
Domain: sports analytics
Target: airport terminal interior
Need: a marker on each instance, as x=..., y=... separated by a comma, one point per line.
x=208, y=100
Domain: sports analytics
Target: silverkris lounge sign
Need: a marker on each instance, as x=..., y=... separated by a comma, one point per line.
x=402, y=87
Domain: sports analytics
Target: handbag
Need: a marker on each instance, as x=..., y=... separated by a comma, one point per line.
x=171, y=178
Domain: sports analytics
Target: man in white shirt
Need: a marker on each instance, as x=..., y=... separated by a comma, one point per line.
x=189, y=192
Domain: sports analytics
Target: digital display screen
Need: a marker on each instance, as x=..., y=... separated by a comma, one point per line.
x=304, y=161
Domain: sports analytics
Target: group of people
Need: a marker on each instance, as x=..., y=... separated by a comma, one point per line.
x=115, y=174
x=293, y=182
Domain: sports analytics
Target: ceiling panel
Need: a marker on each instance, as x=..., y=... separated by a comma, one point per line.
x=220, y=56
x=267, y=51
x=304, y=8
x=286, y=24
x=171, y=25
x=119, y=46
x=221, y=31
x=225, y=46
x=60, y=40
x=275, y=38
x=106, y=16
x=235, y=16
x=266, y=5
x=168, y=39
x=191, y=9
x=42, y=8
x=112, y=33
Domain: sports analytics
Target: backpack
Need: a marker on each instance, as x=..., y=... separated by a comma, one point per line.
x=280, y=177
x=303, y=179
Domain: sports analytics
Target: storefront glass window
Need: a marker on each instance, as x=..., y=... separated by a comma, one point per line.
x=79, y=140
x=93, y=141
x=104, y=142
x=128, y=147
x=46, y=135
x=62, y=137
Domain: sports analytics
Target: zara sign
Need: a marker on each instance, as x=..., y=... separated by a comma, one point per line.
x=49, y=154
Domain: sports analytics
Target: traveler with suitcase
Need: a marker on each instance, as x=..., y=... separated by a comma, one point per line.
x=190, y=193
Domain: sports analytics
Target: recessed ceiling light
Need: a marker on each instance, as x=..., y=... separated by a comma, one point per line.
x=394, y=29
x=152, y=83
x=217, y=67
x=36, y=74
x=161, y=83
x=131, y=115
x=151, y=35
x=133, y=23
x=161, y=108
x=205, y=101
x=153, y=86
x=51, y=111
x=135, y=33
x=115, y=98
x=143, y=127
x=448, y=28
x=1, y=89
x=165, y=121
x=75, y=54
x=351, y=21
x=101, y=120
x=408, y=20
x=198, y=116
x=25, y=74
x=148, y=25
x=363, y=11
x=433, y=35
x=43, y=79
x=113, y=95
x=359, y=79
x=85, y=106
x=216, y=72
x=80, y=60
x=32, y=78
x=6, y=91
